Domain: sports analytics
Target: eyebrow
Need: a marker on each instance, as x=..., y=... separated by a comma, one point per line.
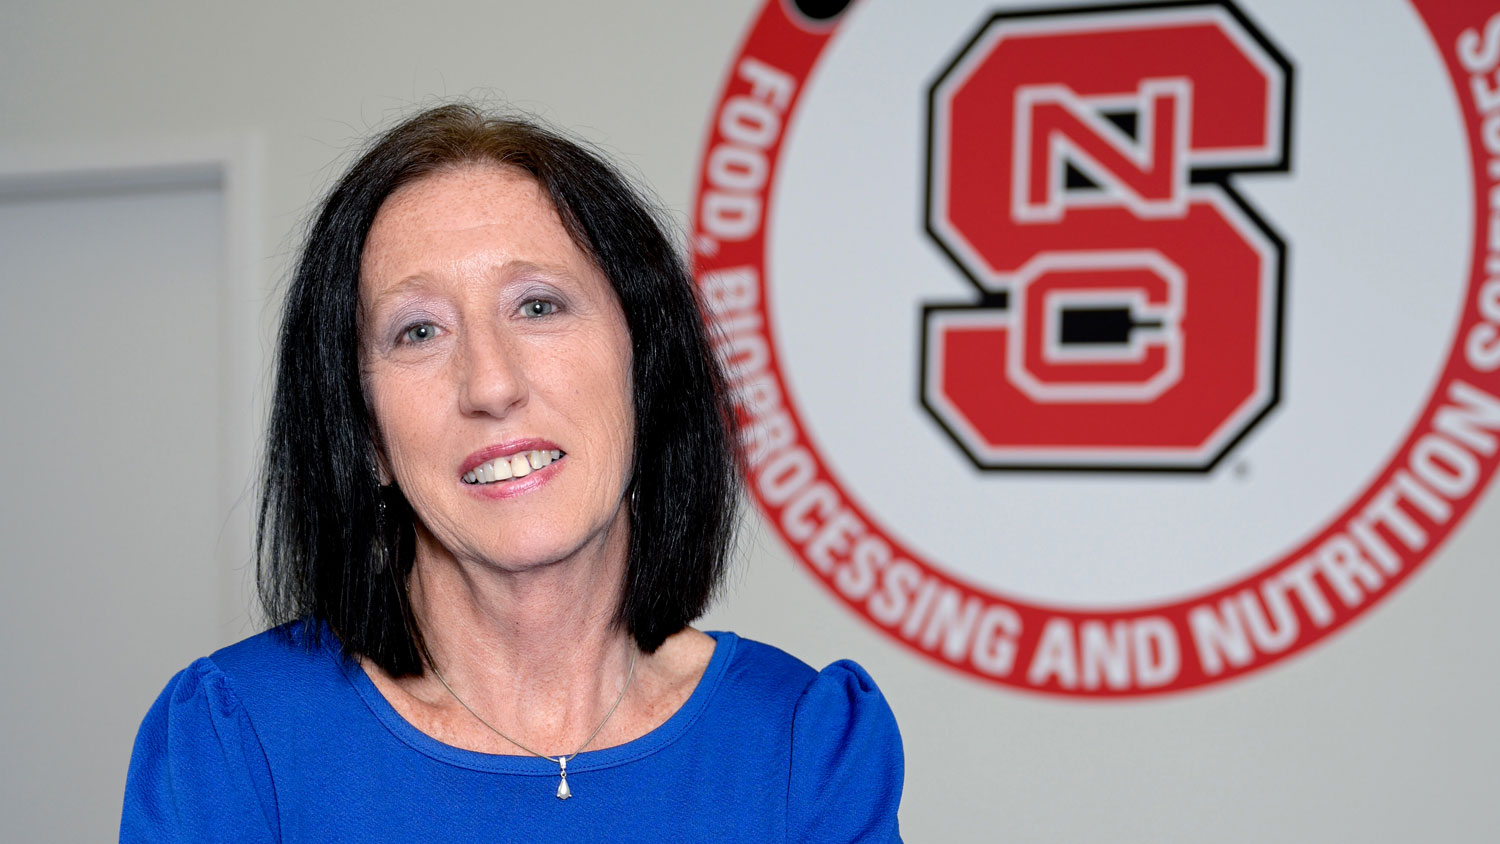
x=509, y=271
x=515, y=268
x=392, y=292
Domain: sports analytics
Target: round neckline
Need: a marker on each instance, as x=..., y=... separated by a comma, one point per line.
x=589, y=760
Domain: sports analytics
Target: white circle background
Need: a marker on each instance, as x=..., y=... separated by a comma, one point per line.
x=1377, y=214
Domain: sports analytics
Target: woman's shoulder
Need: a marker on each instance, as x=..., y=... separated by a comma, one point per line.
x=771, y=669
x=296, y=647
x=200, y=765
x=269, y=664
x=263, y=678
x=844, y=756
x=766, y=678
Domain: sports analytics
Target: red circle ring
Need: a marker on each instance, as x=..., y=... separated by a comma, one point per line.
x=1220, y=634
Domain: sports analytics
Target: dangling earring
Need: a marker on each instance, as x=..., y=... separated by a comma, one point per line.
x=385, y=531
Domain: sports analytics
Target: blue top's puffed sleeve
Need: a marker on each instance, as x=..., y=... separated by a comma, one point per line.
x=198, y=772
x=847, y=764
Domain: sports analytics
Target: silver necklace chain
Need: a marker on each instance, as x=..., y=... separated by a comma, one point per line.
x=563, y=792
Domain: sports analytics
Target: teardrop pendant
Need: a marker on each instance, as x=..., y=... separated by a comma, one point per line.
x=563, y=792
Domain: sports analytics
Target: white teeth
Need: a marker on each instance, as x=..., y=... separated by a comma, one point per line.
x=514, y=466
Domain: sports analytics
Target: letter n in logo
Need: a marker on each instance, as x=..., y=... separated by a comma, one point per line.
x=1128, y=314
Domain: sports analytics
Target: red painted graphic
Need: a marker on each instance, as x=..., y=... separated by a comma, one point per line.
x=1130, y=320
x=1083, y=165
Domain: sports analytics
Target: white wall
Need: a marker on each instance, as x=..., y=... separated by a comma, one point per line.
x=1384, y=733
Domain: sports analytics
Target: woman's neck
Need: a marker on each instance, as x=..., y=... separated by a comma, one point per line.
x=535, y=651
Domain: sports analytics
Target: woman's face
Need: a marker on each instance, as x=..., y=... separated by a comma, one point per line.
x=497, y=365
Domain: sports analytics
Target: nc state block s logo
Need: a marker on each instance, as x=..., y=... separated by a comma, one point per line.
x=1080, y=169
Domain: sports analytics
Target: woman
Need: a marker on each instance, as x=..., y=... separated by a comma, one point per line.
x=498, y=487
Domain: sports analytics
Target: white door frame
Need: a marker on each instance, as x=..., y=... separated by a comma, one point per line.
x=232, y=164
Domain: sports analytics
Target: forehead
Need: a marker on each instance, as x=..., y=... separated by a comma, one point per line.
x=487, y=213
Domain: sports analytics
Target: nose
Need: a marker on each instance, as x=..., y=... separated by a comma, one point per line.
x=492, y=376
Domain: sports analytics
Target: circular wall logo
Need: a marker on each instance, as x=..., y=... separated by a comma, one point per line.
x=1109, y=350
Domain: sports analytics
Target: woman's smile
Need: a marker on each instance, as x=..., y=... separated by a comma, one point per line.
x=504, y=471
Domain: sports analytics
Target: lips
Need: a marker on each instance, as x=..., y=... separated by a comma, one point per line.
x=508, y=467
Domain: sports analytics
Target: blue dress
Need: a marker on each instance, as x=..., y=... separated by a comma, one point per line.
x=273, y=740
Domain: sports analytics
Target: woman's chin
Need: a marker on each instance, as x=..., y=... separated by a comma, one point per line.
x=552, y=550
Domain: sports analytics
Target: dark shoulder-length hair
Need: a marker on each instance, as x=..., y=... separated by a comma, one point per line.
x=335, y=546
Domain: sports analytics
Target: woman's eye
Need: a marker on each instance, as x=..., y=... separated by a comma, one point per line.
x=538, y=308
x=419, y=333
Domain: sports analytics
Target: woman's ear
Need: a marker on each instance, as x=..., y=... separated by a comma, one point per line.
x=382, y=465
x=377, y=450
